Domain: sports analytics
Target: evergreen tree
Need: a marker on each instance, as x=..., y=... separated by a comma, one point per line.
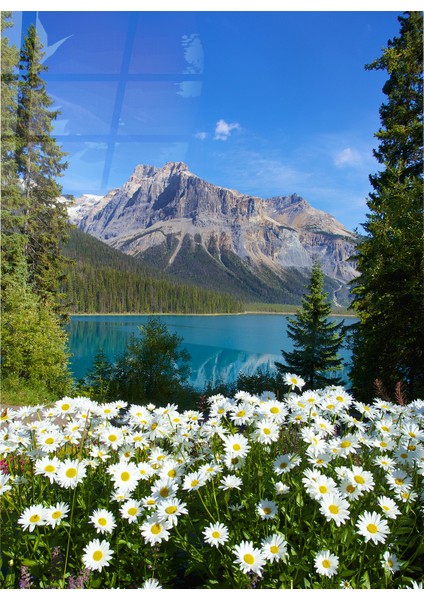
x=317, y=340
x=34, y=345
x=39, y=162
x=153, y=368
x=99, y=378
x=388, y=341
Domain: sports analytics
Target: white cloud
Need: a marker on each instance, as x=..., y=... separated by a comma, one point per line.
x=347, y=157
x=223, y=129
x=201, y=135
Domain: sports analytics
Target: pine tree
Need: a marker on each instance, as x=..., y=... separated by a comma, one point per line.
x=317, y=340
x=388, y=342
x=39, y=162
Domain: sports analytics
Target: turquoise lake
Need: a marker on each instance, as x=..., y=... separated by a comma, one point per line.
x=220, y=346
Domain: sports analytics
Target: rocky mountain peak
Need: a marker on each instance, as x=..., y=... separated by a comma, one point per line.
x=168, y=216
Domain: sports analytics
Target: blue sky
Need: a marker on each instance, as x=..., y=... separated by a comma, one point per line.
x=265, y=102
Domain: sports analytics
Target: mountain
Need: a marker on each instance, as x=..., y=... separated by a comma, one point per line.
x=197, y=232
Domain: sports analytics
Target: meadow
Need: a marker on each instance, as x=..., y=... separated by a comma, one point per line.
x=315, y=490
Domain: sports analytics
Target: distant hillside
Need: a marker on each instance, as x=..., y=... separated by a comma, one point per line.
x=103, y=280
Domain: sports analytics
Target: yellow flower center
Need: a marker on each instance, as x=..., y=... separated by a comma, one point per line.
x=236, y=447
x=385, y=428
x=350, y=488
x=112, y=437
x=156, y=528
x=49, y=440
x=132, y=511
x=386, y=508
x=249, y=559
x=56, y=514
x=71, y=473
x=151, y=502
x=106, y=411
x=172, y=473
x=241, y=413
x=398, y=481
x=359, y=479
x=274, y=549
x=216, y=534
x=345, y=444
x=334, y=509
x=267, y=431
x=372, y=528
x=97, y=555
x=326, y=563
x=66, y=406
x=125, y=476
x=153, y=427
x=274, y=410
x=323, y=489
x=267, y=510
x=170, y=510
x=35, y=518
x=194, y=482
x=102, y=521
x=411, y=434
x=49, y=469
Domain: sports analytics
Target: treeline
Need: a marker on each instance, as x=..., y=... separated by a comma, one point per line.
x=103, y=280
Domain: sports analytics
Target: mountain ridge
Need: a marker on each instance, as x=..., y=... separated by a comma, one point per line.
x=217, y=237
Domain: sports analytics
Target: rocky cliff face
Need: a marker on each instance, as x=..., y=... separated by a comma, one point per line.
x=262, y=249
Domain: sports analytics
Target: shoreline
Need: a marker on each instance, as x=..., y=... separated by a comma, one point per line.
x=237, y=314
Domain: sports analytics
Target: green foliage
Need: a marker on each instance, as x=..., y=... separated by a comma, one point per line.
x=152, y=368
x=388, y=342
x=317, y=340
x=34, y=345
x=103, y=280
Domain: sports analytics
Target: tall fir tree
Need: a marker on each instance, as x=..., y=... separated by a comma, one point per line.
x=39, y=162
x=388, y=341
x=33, y=342
x=316, y=338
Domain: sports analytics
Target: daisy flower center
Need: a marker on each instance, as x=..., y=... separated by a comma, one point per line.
x=35, y=518
x=236, y=447
x=97, y=555
x=334, y=509
x=385, y=428
x=66, y=406
x=112, y=437
x=249, y=559
x=156, y=529
x=216, y=535
x=172, y=473
x=267, y=510
x=398, y=481
x=350, y=488
x=326, y=564
x=267, y=431
x=194, y=482
x=274, y=549
x=49, y=440
x=241, y=413
x=323, y=489
x=274, y=410
x=71, y=472
x=132, y=511
x=359, y=479
x=56, y=514
x=164, y=492
x=125, y=476
x=372, y=528
x=345, y=444
x=102, y=521
x=170, y=510
x=49, y=469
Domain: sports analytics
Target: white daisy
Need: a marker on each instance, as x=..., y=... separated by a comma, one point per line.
x=103, y=520
x=71, y=472
x=326, y=563
x=97, y=555
x=274, y=547
x=151, y=584
x=249, y=558
x=389, y=507
x=390, y=562
x=125, y=475
x=236, y=445
x=130, y=510
x=334, y=508
x=293, y=381
x=155, y=531
x=216, y=534
x=230, y=482
x=32, y=517
x=55, y=514
x=170, y=509
x=372, y=527
x=267, y=509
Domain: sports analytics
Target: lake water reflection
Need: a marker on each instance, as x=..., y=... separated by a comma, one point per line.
x=220, y=346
